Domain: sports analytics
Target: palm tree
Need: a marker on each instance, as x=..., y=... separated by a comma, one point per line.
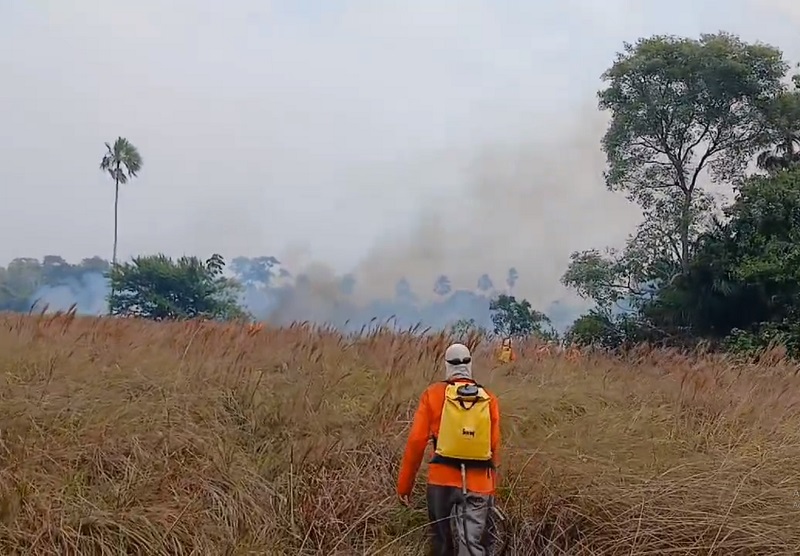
x=511, y=279
x=485, y=283
x=122, y=161
x=442, y=286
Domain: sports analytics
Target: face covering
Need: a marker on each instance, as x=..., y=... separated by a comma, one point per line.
x=458, y=352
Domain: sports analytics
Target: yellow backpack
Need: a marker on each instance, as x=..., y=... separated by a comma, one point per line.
x=505, y=355
x=465, y=430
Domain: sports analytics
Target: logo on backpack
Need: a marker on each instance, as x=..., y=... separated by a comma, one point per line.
x=465, y=430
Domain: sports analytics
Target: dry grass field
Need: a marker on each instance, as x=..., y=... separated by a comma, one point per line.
x=127, y=437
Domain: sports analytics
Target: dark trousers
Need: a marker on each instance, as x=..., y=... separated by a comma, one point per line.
x=473, y=513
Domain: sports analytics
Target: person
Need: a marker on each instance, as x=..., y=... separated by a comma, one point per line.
x=457, y=477
x=506, y=353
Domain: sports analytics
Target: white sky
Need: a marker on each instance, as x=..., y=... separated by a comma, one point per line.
x=395, y=137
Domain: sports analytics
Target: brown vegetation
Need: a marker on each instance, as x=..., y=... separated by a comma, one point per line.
x=127, y=437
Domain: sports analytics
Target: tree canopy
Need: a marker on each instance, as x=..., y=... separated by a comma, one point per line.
x=157, y=287
x=517, y=318
x=687, y=114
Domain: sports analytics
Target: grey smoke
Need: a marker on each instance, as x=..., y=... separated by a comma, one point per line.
x=274, y=297
x=88, y=292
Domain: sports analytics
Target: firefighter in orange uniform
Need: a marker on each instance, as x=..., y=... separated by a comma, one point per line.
x=457, y=477
x=506, y=353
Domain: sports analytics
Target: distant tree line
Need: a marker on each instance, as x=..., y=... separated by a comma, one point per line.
x=158, y=287
x=25, y=276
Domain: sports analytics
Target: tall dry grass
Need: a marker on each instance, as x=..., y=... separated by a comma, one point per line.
x=126, y=437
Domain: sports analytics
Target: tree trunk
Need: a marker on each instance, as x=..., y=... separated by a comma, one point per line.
x=116, y=211
x=684, y=233
x=114, y=254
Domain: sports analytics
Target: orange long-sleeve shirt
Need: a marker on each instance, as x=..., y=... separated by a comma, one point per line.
x=426, y=426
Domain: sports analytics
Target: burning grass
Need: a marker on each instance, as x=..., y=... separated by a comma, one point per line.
x=127, y=437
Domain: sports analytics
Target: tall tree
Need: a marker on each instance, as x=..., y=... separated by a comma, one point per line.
x=258, y=270
x=511, y=279
x=55, y=269
x=485, y=283
x=442, y=286
x=680, y=109
x=122, y=161
x=403, y=292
